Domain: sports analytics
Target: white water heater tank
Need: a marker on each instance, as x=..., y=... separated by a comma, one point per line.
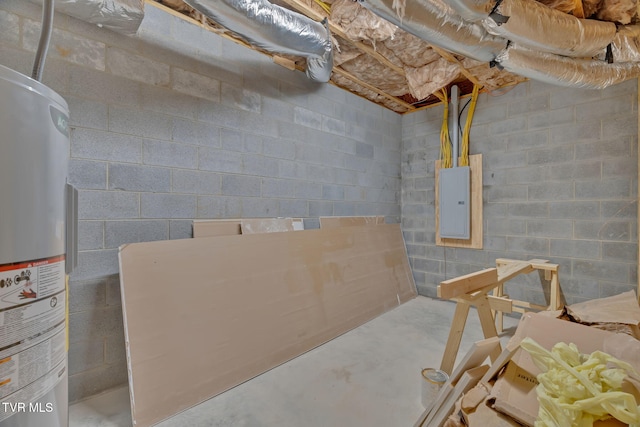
x=36, y=236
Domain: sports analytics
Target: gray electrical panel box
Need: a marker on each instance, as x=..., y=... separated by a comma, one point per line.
x=454, y=201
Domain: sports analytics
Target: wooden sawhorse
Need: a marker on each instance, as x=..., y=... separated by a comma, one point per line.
x=472, y=290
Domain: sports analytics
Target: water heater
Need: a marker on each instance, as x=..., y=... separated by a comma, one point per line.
x=37, y=251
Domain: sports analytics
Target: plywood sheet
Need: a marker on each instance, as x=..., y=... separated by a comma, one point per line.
x=345, y=221
x=266, y=225
x=211, y=228
x=204, y=315
x=229, y=227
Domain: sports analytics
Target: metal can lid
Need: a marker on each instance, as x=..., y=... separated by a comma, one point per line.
x=435, y=376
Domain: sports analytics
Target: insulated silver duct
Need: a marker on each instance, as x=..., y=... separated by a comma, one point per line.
x=626, y=45
x=45, y=37
x=542, y=28
x=436, y=23
x=563, y=71
x=532, y=24
x=275, y=29
x=122, y=16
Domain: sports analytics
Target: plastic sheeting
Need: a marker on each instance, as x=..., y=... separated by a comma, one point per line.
x=436, y=23
x=541, y=28
x=626, y=45
x=274, y=29
x=122, y=16
x=563, y=71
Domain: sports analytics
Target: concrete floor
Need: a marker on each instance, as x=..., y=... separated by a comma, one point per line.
x=370, y=376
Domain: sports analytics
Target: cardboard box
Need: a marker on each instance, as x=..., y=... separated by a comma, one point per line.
x=204, y=315
x=515, y=390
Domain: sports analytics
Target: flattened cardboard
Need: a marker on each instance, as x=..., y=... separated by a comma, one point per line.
x=204, y=315
x=212, y=228
x=347, y=221
x=515, y=390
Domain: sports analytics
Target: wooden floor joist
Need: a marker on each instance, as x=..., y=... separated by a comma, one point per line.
x=354, y=79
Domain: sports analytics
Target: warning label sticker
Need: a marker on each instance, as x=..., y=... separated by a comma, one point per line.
x=32, y=329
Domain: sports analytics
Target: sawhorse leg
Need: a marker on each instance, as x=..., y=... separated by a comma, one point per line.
x=455, y=335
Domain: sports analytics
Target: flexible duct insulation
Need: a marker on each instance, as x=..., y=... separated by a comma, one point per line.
x=563, y=71
x=436, y=23
x=539, y=27
x=274, y=29
x=626, y=45
x=122, y=16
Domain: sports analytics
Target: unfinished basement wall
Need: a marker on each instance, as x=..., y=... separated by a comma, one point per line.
x=560, y=183
x=215, y=131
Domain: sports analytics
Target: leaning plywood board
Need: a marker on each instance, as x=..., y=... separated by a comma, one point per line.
x=212, y=228
x=203, y=315
x=266, y=225
x=344, y=221
x=229, y=227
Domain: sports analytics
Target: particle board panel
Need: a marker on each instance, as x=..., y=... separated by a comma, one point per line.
x=345, y=221
x=476, y=240
x=204, y=315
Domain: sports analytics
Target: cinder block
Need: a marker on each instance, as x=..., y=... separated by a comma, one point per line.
x=232, y=139
x=612, y=230
x=561, y=116
x=241, y=185
x=107, y=205
x=354, y=194
x=605, y=109
x=122, y=232
x=253, y=143
x=194, y=84
x=86, y=355
x=499, y=160
x=529, y=245
x=343, y=208
x=578, y=289
x=333, y=126
x=529, y=105
x=278, y=188
x=488, y=114
x=620, y=167
x=551, y=191
x=554, y=155
x=195, y=182
x=277, y=109
x=529, y=209
x=147, y=124
x=196, y=133
x=258, y=123
x=135, y=67
x=609, y=289
x=603, y=149
x=180, y=229
x=169, y=154
x=364, y=150
x=287, y=169
x=114, y=298
x=563, y=97
x=241, y=98
x=575, y=249
x=167, y=101
x=579, y=132
x=319, y=208
x=219, y=161
x=556, y=228
x=308, y=190
x=98, y=145
x=94, y=264
x=219, y=114
x=158, y=205
x=88, y=175
x=278, y=148
x=575, y=210
x=524, y=141
x=103, y=87
x=620, y=251
x=427, y=265
x=603, y=189
x=259, y=207
x=68, y=46
x=621, y=126
x=293, y=208
x=139, y=178
x=332, y=192
x=619, y=209
x=607, y=270
x=9, y=28
x=506, y=193
x=571, y=171
x=308, y=118
x=87, y=113
x=89, y=383
x=508, y=126
x=505, y=227
x=86, y=295
x=90, y=235
x=255, y=164
x=219, y=207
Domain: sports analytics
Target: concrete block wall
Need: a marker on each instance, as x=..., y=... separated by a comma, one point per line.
x=559, y=183
x=177, y=124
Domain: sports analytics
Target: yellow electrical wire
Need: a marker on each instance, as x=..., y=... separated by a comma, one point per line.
x=464, y=156
x=324, y=6
x=445, y=141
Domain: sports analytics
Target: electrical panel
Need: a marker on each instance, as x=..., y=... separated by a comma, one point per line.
x=454, y=203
